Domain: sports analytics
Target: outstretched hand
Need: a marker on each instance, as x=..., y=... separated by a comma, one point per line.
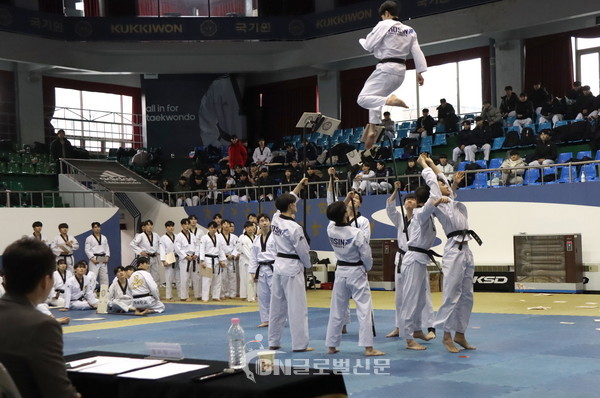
x=459, y=176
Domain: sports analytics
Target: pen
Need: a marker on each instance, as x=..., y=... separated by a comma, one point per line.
x=216, y=375
x=69, y=366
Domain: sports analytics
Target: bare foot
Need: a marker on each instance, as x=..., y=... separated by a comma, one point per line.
x=393, y=333
x=460, y=339
x=430, y=336
x=333, y=350
x=189, y=299
x=171, y=299
x=420, y=335
x=141, y=313
x=449, y=344
x=263, y=325
x=344, y=330
x=370, y=134
x=304, y=350
x=205, y=301
x=63, y=320
x=395, y=101
x=413, y=345
x=216, y=299
x=372, y=352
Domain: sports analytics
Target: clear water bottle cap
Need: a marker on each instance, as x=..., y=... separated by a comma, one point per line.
x=235, y=321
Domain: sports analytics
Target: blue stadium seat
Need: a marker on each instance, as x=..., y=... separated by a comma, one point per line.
x=544, y=126
x=582, y=154
x=564, y=174
x=564, y=157
x=513, y=128
x=549, y=171
x=480, y=181
x=482, y=163
x=590, y=171
x=561, y=123
x=498, y=142
x=402, y=133
x=462, y=165
x=531, y=177
x=398, y=152
x=425, y=148
x=440, y=139
x=469, y=116
x=495, y=163
x=440, y=128
x=427, y=141
x=531, y=126
x=405, y=125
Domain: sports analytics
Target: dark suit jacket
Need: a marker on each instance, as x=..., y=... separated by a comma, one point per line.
x=31, y=349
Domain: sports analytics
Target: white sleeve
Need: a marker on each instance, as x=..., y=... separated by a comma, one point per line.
x=255, y=155
x=302, y=247
x=394, y=214
x=374, y=37
x=268, y=154
x=89, y=250
x=135, y=244
x=253, y=258
x=418, y=56
x=365, y=251
x=106, y=246
x=75, y=243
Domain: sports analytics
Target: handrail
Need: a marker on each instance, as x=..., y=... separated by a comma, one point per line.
x=46, y=198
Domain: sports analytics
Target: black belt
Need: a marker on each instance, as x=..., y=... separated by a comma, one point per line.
x=191, y=262
x=59, y=290
x=263, y=264
x=402, y=253
x=151, y=254
x=394, y=60
x=212, y=257
x=99, y=254
x=65, y=255
x=464, y=233
x=285, y=255
x=141, y=295
x=430, y=253
x=82, y=298
x=348, y=263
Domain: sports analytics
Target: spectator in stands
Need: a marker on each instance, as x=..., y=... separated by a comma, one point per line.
x=290, y=153
x=537, y=96
x=361, y=181
x=141, y=158
x=464, y=139
x=236, y=171
x=414, y=171
x=545, y=150
x=387, y=123
x=479, y=142
x=183, y=189
x=492, y=118
x=445, y=167
x=314, y=176
x=508, y=103
x=254, y=173
x=225, y=181
x=244, y=191
x=524, y=111
x=60, y=147
x=425, y=125
x=237, y=152
x=262, y=154
x=211, y=182
x=288, y=182
x=447, y=116
x=198, y=184
x=311, y=152
x=265, y=180
x=553, y=110
x=511, y=174
x=574, y=93
x=382, y=184
x=585, y=104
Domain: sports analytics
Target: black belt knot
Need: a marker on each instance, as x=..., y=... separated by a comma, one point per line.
x=394, y=60
x=135, y=296
x=430, y=253
x=263, y=264
x=464, y=233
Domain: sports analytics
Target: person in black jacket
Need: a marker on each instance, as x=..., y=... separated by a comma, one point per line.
x=545, y=150
x=584, y=105
x=425, y=124
x=553, y=110
x=508, y=103
x=447, y=115
x=538, y=96
x=524, y=111
x=61, y=147
x=464, y=139
x=480, y=140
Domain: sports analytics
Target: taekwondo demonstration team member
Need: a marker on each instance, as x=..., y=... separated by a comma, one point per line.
x=60, y=278
x=212, y=257
x=288, y=293
x=186, y=249
x=63, y=246
x=354, y=260
x=37, y=233
x=168, y=253
x=458, y=266
x=98, y=251
x=228, y=276
x=410, y=203
x=244, y=248
x=79, y=291
x=391, y=42
x=262, y=259
x=120, y=297
x=147, y=244
x=146, y=299
x=198, y=233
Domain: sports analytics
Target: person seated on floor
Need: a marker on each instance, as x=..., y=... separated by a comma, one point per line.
x=79, y=290
x=60, y=277
x=146, y=299
x=120, y=297
x=511, y=174
x=129, y=270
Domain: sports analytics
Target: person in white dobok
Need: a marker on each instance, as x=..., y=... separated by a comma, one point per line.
x=37, y=233
x=98, y=251
x=147, y=244
x=229, y=277
x=262, y=259
x=391, y=42
x=63, y=246
x=186, y=249
x=401, y=223
x=146, y=299
x=354, y=260
x=288, y=294
x=60, y=277
x=244, y=249
x=120, y=297
x=212, y=256
x=262, y=154
x=79, y=293
x=168, y=253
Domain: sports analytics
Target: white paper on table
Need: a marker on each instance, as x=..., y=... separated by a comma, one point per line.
x=164, y=370
x=88, y=319
x=115, y=365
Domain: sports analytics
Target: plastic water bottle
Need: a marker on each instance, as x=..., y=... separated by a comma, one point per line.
x=235, y=337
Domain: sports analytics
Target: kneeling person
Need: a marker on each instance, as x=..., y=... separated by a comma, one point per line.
x=354, y=261
x=119, y=294
x=79, y=290
x=146, y=299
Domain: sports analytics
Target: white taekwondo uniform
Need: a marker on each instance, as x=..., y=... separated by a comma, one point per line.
x=392, y=41
x=59, y=243
x=261, y=265
x=43, y=239
x=167, y=245
x=244, y=248
x=145, y=292
x=188, y=269
x=288, y=293
x=56, y=297
x=229, y=277
x=212, y=252
x=150, y=244
x=98, y=248
x=80, y=296
x=262, y=154
x=354, y=260
x=120, y=298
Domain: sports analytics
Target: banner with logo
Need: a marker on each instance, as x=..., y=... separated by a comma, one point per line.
x=113, y=176
x=185, y=111
x=494, y=282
